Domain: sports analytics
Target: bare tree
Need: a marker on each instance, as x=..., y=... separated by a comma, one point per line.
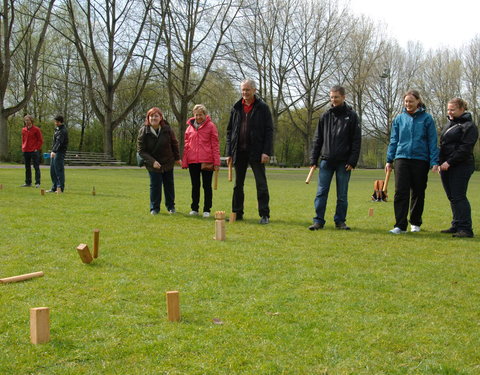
x=112, y=37
x=13, y=38
x=194, y=34
x=472, y=76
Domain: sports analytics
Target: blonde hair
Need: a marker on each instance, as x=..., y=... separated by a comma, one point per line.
x=200, y=107
x=460, y=103
x=28, y=117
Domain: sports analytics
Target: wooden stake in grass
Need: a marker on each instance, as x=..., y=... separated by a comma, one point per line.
x=96, y=240
x=370, y=212
x=220, y=225
x=27, y=276
x=215, y=179
x=230, y=170
x=173, y=306
x=233, y=217
x=1, y=186
x=39, y=325
x=42, y=191
x=84, y=253
x=93, y=191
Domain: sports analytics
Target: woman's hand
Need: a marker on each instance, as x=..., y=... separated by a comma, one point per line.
x=157, y=165
x=388, y=167
x=444, y=166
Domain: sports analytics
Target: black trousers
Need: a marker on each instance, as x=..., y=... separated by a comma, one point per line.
x=263, y=197
x=455, y=182
x=411, y=178
x=32, y=158
x=196, y=172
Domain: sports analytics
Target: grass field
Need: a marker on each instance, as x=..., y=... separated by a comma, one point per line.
x=291, y=301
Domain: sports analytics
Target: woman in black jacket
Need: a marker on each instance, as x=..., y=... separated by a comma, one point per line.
x=457, y=165
x=158, y=146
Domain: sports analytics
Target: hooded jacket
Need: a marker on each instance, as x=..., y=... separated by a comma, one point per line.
x=163, y=148
x=457, y=140
x=413, y=136
x=260, y=130
x=338, y=136
x=201, y=145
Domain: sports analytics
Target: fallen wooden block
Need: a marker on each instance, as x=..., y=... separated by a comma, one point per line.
x=84, y=253
x=26, y=276
x=39, y=325
x=173, y=306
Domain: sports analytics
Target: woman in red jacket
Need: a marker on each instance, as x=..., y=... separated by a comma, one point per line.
x=201, y=155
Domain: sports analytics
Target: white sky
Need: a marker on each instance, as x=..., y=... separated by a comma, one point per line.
x=434, y=23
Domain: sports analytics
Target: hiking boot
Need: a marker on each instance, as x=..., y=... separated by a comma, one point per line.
x=315, y=226
x=342, y=225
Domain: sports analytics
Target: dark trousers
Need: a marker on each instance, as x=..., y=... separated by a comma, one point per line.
x=57, y=171
x=263, y=197
x=411, y=178
x=196, y=172
x=156, y=182
x=32, y=158
x=455, y=182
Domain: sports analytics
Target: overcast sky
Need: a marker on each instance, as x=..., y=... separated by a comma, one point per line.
x=434, y=23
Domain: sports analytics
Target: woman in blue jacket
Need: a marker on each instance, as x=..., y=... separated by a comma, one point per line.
x=413, y=150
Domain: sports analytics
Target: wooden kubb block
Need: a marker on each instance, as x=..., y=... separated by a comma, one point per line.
x=84, y=253
x=96, y=240
x=173, y=306
x=220, y=225
x=39, y=325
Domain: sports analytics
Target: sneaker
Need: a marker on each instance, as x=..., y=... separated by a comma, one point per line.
x=397, y=230
x=172, y=211
x=315, y=226
x=414, y=228
x=26, y=185
x=153, y=212
x=51, y=191
x=449, y=230
x=193, y=213
x=264, y=220
x=37, y=185
x=462, y=234
x=342, y=225
x=206, y=214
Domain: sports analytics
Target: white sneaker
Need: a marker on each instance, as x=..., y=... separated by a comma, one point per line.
x=193, y=213
x=397, y=230
x=206, y=214
x=414, y=228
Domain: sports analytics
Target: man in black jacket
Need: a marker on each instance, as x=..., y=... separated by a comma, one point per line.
x=250, y=141
x=57, y=155
x=337, y=143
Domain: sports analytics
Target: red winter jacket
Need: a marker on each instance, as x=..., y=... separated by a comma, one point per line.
x=201, y=145
x=32, y=139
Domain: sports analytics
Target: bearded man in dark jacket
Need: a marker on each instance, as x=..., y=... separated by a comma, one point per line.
x=337, y=144
x=250, y=141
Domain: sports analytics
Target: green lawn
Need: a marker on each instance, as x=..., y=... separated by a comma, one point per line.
x=291, y=301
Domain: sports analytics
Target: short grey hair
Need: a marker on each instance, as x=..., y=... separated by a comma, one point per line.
x=249, y=82
x=200, y=107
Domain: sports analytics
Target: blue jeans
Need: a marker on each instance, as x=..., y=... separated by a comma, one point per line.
x=57, y=171
x=156, y=182
x=342, y=177
x=455, y=182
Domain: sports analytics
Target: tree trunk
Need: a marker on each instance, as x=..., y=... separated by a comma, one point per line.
x=3, y=137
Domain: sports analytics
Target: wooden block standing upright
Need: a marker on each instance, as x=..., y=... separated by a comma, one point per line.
x=59, y=190
x=93, y=191
x=233, y=217
x=1, y=186
x=42, y=191
x=39, y=325
x=370, y=212
x=173, y=306
x=84, y=253
x=220, y=225
x=96, y=240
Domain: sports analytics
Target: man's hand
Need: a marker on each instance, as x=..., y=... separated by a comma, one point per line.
x=265, y=158
x=348, y=168
x=444, y=166
x=157, y=165
x=52, y=155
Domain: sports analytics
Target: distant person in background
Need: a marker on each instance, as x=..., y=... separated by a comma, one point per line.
x=413, y=148
x=32, y=142
x=457, y=165
x=57, y=155
x=158, y=146
x=337, y=144
x=201, y=155
x=250, y=142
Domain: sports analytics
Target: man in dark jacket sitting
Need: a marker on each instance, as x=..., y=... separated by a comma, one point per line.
x=337, y=143
x=250, y=141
